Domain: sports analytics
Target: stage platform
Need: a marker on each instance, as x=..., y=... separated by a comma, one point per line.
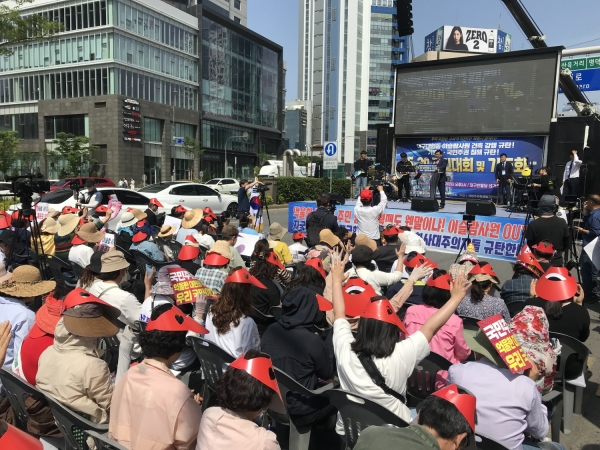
x=494, y=237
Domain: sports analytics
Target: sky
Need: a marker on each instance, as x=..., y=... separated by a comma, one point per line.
x=575, y=25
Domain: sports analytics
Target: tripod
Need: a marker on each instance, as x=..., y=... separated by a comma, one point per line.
x=525, y=225
x=259, y=214
x=571, y=254
x=465, y=243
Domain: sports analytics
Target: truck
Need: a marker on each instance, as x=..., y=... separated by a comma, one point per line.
x=274, y=168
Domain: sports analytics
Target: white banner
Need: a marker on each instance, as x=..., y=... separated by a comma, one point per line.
x=245, y=243
x=107, y=243
x=174, y=222
x=41, y=211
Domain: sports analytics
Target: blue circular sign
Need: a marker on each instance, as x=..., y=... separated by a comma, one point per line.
x=331, y=149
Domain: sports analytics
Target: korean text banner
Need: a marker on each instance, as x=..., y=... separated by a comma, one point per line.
x=493, y=237
x=507, y=346
x=471, y=161
x=186, y=287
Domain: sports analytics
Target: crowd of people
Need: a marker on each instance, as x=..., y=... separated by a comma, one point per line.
x=360, y=310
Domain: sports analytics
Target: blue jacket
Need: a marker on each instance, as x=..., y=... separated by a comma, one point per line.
x=591, y=222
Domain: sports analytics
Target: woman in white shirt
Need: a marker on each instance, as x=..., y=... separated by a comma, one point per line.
x=378, y=341
x=362, y=257
x=229, y=321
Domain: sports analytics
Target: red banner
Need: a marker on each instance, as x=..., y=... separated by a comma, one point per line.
x=507, y=346
x=186, y=287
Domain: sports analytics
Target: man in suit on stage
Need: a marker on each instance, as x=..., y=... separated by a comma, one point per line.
x=438, y=179
x=504, y=176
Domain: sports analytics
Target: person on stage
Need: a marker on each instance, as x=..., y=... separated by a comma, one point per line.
x=403, y=176
x=438, y=180
x=504, y=176
x=361, y=168
x=547, y=184
x=570, y=184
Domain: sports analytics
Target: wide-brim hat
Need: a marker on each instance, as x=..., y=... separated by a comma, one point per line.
x=556, y=285
x=4, y=274
x=166, y=231
x=90, y=233
x=88, y=316
x=26, y=281
x=327, y=236
x=138, y=213
x=276, y=232
x=50, y=226
x=215, y=259
x=68, y=223
x=479, y=343
x=363, y=239
x=112, y=261
x=222, y=248
x=49, y=314
x=192, y=218
x=128, y=219
x=52, y=213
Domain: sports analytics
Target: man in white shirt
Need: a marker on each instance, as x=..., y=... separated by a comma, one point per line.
x=367, y=216
x=570, y=183
x=298, y=250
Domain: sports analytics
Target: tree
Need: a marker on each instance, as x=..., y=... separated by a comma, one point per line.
x=9, y=142
x=262, y=157
x=18, y=28
x=75, y=150
x=28, y=161
x=191, y=147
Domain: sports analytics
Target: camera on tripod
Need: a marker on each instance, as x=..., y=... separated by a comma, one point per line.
x=26, y=185
x=263, y=187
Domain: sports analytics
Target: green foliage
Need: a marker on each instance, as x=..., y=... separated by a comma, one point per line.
x=9, y=142
x=304, y=160
x=191, y=147
x=269, y=200
x=17, y=29
x=75, y=150
x=29, y=161
x=280, y=199
x=262, y=157
x=292, y=189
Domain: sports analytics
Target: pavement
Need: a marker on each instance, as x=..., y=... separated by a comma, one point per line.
x=585, y=434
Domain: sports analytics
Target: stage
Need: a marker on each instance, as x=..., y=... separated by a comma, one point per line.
x=494, y=237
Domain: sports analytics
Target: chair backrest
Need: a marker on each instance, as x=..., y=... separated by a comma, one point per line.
x=515, y=308
x=470, y=323
x=56, y=265
x=104, y=442
x=570, y=346
x=77, y=269
x=422, y=381
x=70, y=424
x=485, y=443
x=175, y=248
x=212, y=360
x=110, y=345
x=17, y=390
x=359, y=413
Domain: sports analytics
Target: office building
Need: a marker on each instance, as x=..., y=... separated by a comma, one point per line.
x=347, y=47
x=297, y=125
x=138, y=76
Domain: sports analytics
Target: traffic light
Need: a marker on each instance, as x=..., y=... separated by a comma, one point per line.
x=405, y=22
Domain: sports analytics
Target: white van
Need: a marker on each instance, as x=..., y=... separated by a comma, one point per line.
x=274, y=168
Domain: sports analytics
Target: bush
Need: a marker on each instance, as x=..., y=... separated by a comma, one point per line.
x=269, y=200
x=294, y=189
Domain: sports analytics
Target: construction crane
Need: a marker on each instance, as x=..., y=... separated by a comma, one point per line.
x=577, y=99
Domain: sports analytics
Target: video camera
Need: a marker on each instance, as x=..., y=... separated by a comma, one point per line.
x=263, y=187
x=26, y=185
x=75, y=187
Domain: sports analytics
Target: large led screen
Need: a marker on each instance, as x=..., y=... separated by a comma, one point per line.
x=469, y=96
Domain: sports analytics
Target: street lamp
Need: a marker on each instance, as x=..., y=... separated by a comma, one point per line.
x=243, y=136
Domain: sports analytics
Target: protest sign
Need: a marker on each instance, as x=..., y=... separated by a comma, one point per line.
x=507, y=346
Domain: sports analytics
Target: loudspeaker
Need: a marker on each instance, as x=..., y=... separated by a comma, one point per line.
x=424, y=204
x=385, y=143
x=481, y=208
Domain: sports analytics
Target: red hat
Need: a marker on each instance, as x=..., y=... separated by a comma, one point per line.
x=47, y=316
x=441, y=282
x=274, y=259
x=80, y=296
x=357, y=296
x=486, y=269
x=209, y=212
x=542, y=247
x=69, y=210
x=86, y=315
x=392, y=231
x=298, y=235
x=418, y=260
x=17, y=439
x=175, y=320
x=244, y=277
x=154, y=201
x=190, y=238
x=317, y=264
x=82, y=221
x=139, y=237
x=366, y=195
x=101, y=209
x=181, y=209
x=188, y=253
x=556, y=285
x=141, y=223
x=324, y=304
x=129, y=210
x=528, y=261
x=261, y=369
x=381, y=309
x=208, y=219
x=77, y=241
x=465, y=403
x=5, y=220
x=215, y=259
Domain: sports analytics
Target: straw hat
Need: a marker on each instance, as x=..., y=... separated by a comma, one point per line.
x=48, y=316
x=363, y=239
x=4, y=275
x=50, y=226
x=26, y=282
x=128, y=219
x=68, y=223
x=327, y=236
x=112, y=261
x=88, y=316
x=192, y=218
x=52, y=213
x=89, y=233
x=276, y=232
x=138, y=213
x=166, y=231
x=222, y=248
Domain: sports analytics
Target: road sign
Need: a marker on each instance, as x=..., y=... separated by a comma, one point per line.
x=179, y=140
x=587, y=80
x=592, y=62
x=330, y=157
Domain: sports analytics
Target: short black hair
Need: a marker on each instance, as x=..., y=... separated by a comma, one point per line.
x=402, y=155
x=244, y=221
x=90, y=182
x=393, y=239
x=502, y=154
x=438, y=151
x=375, y=338
x=323, y=200
x=161, y=344
x=434, y=296
x=363, y=152
x=306, y=276
x=241, y=392
x=405, y=228
x=243, y=182
x=443, y=417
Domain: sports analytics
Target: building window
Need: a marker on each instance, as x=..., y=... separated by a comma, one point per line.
x=153, y=129
x=26, y=125
x=74, y=124
x=237, y=19
x=237, y=4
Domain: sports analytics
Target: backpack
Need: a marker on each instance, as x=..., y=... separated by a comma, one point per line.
x=314, y=225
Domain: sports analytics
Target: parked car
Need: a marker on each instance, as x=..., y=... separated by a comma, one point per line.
x=65, y=182
x=190, y=195
x=224, y=185
x=64, y=197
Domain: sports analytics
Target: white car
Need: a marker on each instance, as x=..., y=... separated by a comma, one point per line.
x=223, y=185
x=64, y=197
x=190, y=195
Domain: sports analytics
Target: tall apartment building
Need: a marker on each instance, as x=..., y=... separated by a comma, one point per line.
x=236, y=10
x=136, y=77
x=345, y=48
x=297, y=125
